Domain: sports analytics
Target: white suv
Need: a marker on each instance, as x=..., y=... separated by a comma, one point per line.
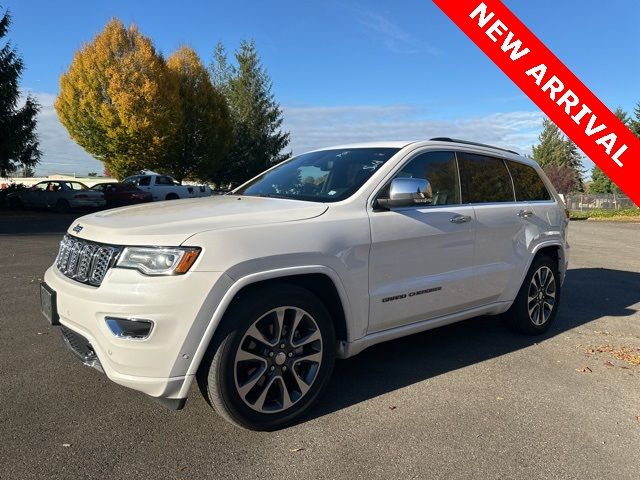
x=256, y=292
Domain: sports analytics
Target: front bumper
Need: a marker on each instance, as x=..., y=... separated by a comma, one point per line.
x=156, y=365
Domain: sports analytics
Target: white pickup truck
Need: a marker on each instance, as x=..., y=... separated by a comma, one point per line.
x=163, y=187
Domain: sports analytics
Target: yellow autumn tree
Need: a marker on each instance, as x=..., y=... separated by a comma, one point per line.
x=204, y=134
x=119, y=101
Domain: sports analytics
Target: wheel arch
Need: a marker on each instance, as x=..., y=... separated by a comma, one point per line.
x=329, y=289
x=552, y=248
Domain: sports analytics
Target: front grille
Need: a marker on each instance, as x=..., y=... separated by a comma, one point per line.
x=85, y=261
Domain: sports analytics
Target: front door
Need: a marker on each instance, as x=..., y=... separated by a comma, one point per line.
x=421, y=258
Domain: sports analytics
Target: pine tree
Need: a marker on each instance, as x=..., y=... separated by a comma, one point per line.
x=258, y=139
x=572, y=158
x=600, y=183
x=19, y=146
x=551, y=148
x=634, y=124
x=557, y=150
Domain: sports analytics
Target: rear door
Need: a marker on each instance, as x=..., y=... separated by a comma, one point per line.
x=543, y=217
x=421, y=258
x=500, y=252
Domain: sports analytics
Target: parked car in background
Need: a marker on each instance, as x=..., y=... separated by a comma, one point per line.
x=120, y=194
x=163, y=187
x=60, y=195
x=255, y=293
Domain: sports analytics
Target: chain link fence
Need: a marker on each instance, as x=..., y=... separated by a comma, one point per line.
x=612, y=201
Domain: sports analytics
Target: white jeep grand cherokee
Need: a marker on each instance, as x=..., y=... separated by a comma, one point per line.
x=256, y=292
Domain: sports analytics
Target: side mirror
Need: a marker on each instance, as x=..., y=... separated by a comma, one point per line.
x=405, y=192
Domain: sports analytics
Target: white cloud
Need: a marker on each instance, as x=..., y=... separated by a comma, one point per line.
x=60, y=154
x=395, y=39
x=315, y=127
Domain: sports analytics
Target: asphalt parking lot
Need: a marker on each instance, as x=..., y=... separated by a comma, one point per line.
x=468, y=401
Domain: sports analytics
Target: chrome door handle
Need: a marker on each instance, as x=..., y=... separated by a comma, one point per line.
x=525, y=213
x=460, y=219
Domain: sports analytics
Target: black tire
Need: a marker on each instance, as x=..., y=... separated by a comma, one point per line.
x=530, y=314
x=172, y=196
x=62, y=206
x=217, y=375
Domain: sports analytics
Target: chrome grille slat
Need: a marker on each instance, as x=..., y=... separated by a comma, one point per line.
x=85, y=261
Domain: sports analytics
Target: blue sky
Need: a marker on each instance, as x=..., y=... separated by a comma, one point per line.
x=347, y=71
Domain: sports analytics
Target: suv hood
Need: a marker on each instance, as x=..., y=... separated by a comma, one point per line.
x=172, y=222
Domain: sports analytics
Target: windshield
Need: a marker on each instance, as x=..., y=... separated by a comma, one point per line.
x=324, y=176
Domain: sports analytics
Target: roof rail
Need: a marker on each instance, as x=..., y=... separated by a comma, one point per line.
x=466, y=142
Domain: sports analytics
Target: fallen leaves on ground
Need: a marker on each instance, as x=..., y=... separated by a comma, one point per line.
x=584, y=370
x=296, y=449
x=627, y=354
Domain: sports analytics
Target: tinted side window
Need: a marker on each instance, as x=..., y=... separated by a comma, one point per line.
x=144, y=181
x=528, y=184
x=163, y=181
x=484, y=179
x=441, y=170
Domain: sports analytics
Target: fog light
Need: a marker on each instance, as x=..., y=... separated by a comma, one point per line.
x=131, y=328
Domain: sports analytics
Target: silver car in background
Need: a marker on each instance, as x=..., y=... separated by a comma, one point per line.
x=60, y=195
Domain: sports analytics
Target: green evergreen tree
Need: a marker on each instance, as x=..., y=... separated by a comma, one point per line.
x=557, y=150
x=572, y=158
x=256, y=117
x=600, y=183
x=18, y=140
x=634, y=124
x=551, y=148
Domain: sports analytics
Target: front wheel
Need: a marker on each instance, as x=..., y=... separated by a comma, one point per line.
x=536, y=306
x=272, y=358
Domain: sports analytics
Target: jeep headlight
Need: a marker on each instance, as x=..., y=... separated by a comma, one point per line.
x=158, y=260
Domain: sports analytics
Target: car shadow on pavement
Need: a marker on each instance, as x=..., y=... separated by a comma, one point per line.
x=588, y=294
x=35, y=222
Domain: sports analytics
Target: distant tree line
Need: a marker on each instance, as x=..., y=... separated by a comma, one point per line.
x=131, y=108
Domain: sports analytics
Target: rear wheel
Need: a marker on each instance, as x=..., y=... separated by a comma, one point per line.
x=271, y=360
x=536, y=306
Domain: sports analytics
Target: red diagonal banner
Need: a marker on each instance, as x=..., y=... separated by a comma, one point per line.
x=552, y=87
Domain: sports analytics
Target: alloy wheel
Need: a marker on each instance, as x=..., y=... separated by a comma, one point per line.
x=278, y=359
x=541, y=297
